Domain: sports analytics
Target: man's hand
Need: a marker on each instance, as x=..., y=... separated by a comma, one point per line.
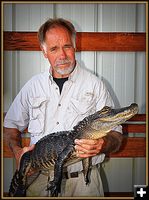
x=88, y=147
x=109, y=143
x=20, y=153
x=12, y=137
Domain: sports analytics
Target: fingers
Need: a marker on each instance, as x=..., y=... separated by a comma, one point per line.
x=25, y=149
x=87, y=147
x=22, y=151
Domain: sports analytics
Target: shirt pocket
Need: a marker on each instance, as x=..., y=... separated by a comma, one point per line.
x=78, y=109
x=37, y=115
x=82, y=107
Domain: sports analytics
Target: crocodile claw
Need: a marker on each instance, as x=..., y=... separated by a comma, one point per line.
x=54, y=188
x=86, y=180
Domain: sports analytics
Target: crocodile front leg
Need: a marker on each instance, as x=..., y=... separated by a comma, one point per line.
x=55, y=185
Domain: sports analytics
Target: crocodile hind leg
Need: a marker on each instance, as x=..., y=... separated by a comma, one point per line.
x=86, y=162
x=18, y=183
x=55, y=185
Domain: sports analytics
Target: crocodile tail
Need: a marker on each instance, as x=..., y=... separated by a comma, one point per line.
x=18, y=183
x=16, y=187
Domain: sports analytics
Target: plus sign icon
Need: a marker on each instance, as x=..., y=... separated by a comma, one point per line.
x=141, y=192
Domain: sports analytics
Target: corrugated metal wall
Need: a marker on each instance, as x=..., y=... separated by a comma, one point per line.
x=123, y=72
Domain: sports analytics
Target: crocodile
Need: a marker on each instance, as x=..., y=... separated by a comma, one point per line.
x=57, y=150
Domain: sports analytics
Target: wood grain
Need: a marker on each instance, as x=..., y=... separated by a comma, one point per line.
x=85, y=41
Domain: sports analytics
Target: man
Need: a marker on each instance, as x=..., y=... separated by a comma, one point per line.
x=57, y=100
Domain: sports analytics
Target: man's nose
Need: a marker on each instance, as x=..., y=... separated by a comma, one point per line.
x=62, y=53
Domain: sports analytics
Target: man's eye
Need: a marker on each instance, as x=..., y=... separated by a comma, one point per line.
x=53, y=49
x=68, y=46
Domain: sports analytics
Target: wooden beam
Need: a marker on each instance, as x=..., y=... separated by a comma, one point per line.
x=138, y=117
x=113, y=41
x=85, y=41
x=134, y=128
x=7, y=153
x=131, y=147
x=26, y=41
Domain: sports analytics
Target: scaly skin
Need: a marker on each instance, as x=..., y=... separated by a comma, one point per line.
x=57, y=149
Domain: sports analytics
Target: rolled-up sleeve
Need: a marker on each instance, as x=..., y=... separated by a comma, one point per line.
x=18, y=113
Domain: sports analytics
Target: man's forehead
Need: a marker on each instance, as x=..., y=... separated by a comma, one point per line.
x=58, y=35
x=58, y=29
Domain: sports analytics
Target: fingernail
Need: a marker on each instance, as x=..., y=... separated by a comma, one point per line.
x=76, y=141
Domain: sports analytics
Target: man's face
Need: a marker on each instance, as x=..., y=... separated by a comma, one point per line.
x=60, y=51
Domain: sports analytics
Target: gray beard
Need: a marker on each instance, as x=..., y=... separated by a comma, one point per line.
x=64, y=71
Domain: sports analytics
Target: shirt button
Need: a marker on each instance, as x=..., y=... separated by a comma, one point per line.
x=57, y=123
x=59, y=104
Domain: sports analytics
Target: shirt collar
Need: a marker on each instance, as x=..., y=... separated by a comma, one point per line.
x=73, y=76
x=50, y=74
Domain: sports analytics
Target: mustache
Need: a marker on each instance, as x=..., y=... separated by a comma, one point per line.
x=62, y=62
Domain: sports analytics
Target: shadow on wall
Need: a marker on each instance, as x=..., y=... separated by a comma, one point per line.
x=112, y=93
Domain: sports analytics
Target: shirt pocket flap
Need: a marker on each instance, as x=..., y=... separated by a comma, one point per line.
x=38, y=101
x=37, y=114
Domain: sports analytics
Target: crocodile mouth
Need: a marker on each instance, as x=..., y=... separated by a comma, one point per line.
x=108, y=118
x=121, y=114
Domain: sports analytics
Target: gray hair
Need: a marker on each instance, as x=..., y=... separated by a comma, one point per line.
x=57, y=22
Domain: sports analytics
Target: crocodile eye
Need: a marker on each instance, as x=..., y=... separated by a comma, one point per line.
x=105, y=110
x=102, y=113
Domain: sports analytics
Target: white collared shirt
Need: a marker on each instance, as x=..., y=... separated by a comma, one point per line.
x=40, y=106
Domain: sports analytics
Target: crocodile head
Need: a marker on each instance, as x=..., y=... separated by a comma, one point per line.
x=103, y=121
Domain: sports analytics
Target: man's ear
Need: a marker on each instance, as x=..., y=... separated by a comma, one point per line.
x=43, y=51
